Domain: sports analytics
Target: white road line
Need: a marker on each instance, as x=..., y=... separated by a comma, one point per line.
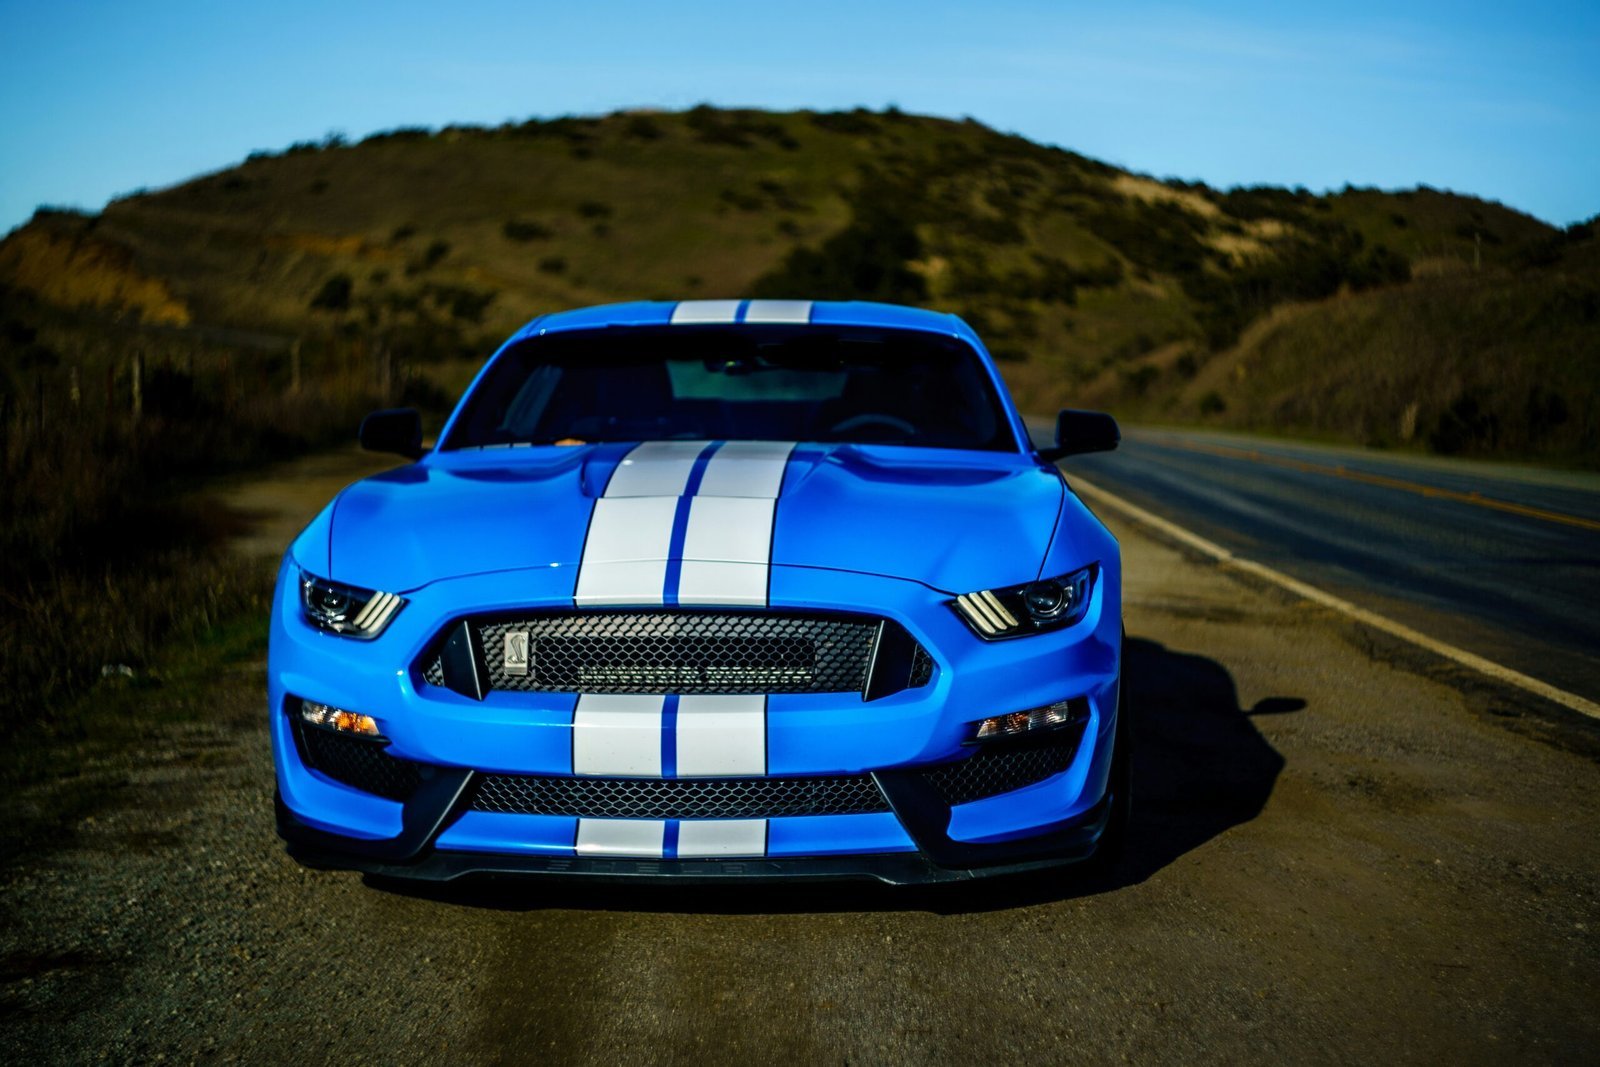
x=1344, y=607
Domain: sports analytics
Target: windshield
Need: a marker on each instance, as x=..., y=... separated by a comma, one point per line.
x=793, y=383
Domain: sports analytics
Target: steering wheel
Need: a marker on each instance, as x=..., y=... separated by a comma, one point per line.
x=855, y=422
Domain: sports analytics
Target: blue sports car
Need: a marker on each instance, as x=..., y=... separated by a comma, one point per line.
x=760, y=589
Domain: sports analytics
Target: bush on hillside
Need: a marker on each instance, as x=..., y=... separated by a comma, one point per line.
x=868, y=260
x=334, y=294
x=525, y=230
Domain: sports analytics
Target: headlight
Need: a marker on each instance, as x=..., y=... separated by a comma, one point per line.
x=346, y=609
x=1047, y=604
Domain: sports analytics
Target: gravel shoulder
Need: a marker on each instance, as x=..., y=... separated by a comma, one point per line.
x=1342, y=852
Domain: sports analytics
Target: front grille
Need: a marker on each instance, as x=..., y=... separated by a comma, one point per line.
x=678, y=798
x=357, y=762
x=649, y=652
x=993, y=771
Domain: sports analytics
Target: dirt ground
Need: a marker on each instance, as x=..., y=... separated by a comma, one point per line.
x=1341, y=852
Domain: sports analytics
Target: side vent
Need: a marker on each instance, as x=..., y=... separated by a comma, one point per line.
x=461, y=661
x=894, y=654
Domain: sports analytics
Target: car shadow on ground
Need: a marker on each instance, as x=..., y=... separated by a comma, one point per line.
x=1200, y=767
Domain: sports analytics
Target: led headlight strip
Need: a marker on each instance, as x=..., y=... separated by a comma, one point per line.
x=1015, y=610
x=346, y=609
x=984, y=611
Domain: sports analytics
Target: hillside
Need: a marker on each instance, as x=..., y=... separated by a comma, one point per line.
x=258, y=311
x=1419, y=318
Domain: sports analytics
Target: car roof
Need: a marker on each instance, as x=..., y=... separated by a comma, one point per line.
x=711, y=312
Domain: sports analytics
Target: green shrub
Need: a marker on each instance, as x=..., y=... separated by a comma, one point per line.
x=857, y=123
x=525, y=230
x=867, y=260
x=642, y=128
x=334, y=294
x=435, y=252
x=1137, y=380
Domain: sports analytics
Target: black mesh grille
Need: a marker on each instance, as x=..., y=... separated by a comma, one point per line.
x=678, y=798
x=1001, y=770
x=355, y=762
x=680, y=652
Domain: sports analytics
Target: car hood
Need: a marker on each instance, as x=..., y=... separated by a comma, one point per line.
x=955, y=521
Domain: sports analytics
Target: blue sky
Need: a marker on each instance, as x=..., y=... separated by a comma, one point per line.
x=1501, y=100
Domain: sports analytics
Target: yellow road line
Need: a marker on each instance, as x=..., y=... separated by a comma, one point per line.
x=1310, y=592
x=1473, y=498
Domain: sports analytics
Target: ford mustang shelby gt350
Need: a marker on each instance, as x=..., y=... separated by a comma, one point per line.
x=708, y=590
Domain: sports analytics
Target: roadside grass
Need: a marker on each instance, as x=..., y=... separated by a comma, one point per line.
x=86, y=749
x=1500, y=365
x=108, y=558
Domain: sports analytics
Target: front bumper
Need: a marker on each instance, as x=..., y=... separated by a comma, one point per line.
x=941, y=858
x=438, y=834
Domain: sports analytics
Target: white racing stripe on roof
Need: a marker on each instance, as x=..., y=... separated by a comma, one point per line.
x=721, y=736
x=778, y=311
x=698, y=311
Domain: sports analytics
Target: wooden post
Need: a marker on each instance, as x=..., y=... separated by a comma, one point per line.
x=136, y=374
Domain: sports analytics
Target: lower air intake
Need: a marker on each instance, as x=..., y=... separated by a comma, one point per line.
x=1003, y=769
x=678, y=798
x=357, y=762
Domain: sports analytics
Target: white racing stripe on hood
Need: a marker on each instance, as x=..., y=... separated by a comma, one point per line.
x=625, y=553
x=655, y=468
x=726, y=526
x=747, y=468
x=727, y=552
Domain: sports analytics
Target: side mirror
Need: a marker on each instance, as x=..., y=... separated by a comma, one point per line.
x=1078, y=432
x=394, y=430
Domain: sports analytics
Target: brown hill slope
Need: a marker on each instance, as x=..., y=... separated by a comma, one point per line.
x=1386, y=317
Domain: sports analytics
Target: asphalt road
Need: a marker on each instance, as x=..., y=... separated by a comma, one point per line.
x=1502, y=561
x=1338, y=855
